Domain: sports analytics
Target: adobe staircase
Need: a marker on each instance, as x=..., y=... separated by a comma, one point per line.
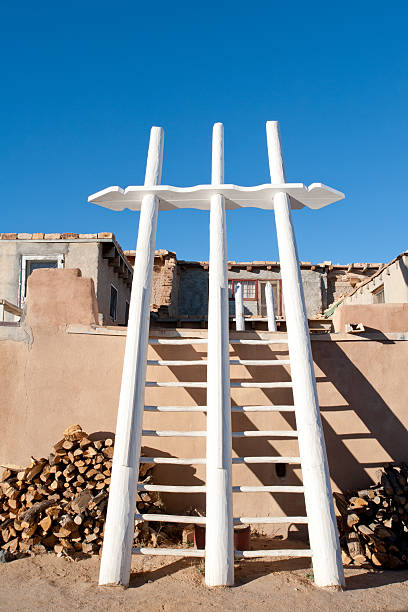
x=219, y=489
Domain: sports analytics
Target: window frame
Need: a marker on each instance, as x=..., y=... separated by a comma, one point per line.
x=377, y=291
x=115, y=318
x=235, y=281
x=60, y=258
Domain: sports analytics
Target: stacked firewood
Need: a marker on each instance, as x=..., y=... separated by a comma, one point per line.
x=374, y=522
x=59, y=503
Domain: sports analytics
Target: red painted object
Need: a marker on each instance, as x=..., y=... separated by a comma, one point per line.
x=242, y=537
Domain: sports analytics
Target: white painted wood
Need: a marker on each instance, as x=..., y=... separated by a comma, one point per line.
x=269, y=489
x=279, y=459
x=170, y=552
x=178, y=341
x=164, y=434
x=270, y=310
x=2, y=312
x=171, y=363
x=276, y=408
x=324, y=541
x=315, y=196
x=172, y=488
x=260, y=342
x=176, y=384
x=174, y=460
x=288, y=433
x=176, y=408
x=171, y=518
x=219, y=562
x=119, y=526
x=284, y=552
x=239, y=308
x=260, y=362
x=262, y=385
x=262, y=408
x=254, y=520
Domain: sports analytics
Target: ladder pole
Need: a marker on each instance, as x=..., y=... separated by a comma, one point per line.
x=270, y=308
x=119, y=526
x=239, y=309
x=219, y=555
x=324, y=541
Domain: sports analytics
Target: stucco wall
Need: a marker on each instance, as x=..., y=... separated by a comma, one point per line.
x=395, y=281
x=106, y=277
x=193, y=290
x=51, y=379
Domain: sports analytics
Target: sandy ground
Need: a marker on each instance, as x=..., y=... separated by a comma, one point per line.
x=46, y=582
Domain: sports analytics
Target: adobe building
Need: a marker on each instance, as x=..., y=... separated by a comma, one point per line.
x=98, y=257
x=180, y=288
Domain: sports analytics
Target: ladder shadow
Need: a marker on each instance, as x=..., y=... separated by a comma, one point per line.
x=139, y=578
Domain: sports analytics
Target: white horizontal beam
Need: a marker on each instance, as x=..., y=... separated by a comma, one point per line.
x=174, y=460
x=169, y=552
x=269, y=489
x=289, y=433
x=178, y=341
x=180, y=434
x=176, y=384
x=262, y=385
x=288, y=408
x=260, y=342
x=255, y=520
x=172, y=488
x=266, y=460
x=171, y=518
x=203, y=362
x=315, y=196
x=288, y=552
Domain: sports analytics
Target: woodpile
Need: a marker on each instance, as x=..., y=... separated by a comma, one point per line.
x=374, y=522
x=59, y=503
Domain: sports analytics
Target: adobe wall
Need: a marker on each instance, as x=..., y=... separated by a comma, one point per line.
x=382, y=317
x=51, y=378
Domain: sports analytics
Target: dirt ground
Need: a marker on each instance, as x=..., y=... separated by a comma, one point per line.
x=47, y=582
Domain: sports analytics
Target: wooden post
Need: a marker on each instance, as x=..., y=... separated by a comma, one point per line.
x=219, y=551
x=239, y=309
x=324, y=541
x=270, y=309
x=119, y=527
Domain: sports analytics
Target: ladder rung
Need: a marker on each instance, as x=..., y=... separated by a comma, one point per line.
x=262, y=385
x=175, y=384
x=200, y=362
x=251, y=520
x=289, y=433
x=171, y=518
x=160, y=362
x=176, y=408
x=288, y=552
x=172, y=488
x=266, y=460
x=165, y=434
x=269, y=489
x=171, y=552
x=174, y=460
x=265, y=342
x=288, y=408
x=178, y=341
x=260, y=362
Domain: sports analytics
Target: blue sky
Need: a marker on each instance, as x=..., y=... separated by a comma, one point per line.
x=82, y=83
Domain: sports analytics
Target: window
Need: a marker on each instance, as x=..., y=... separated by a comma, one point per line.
x=29, y=263
x=379, y=296
x=249, y=289
x=113, y=308
x=126, y=312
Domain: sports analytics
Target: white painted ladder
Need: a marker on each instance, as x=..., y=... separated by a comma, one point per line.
x=219, y=552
